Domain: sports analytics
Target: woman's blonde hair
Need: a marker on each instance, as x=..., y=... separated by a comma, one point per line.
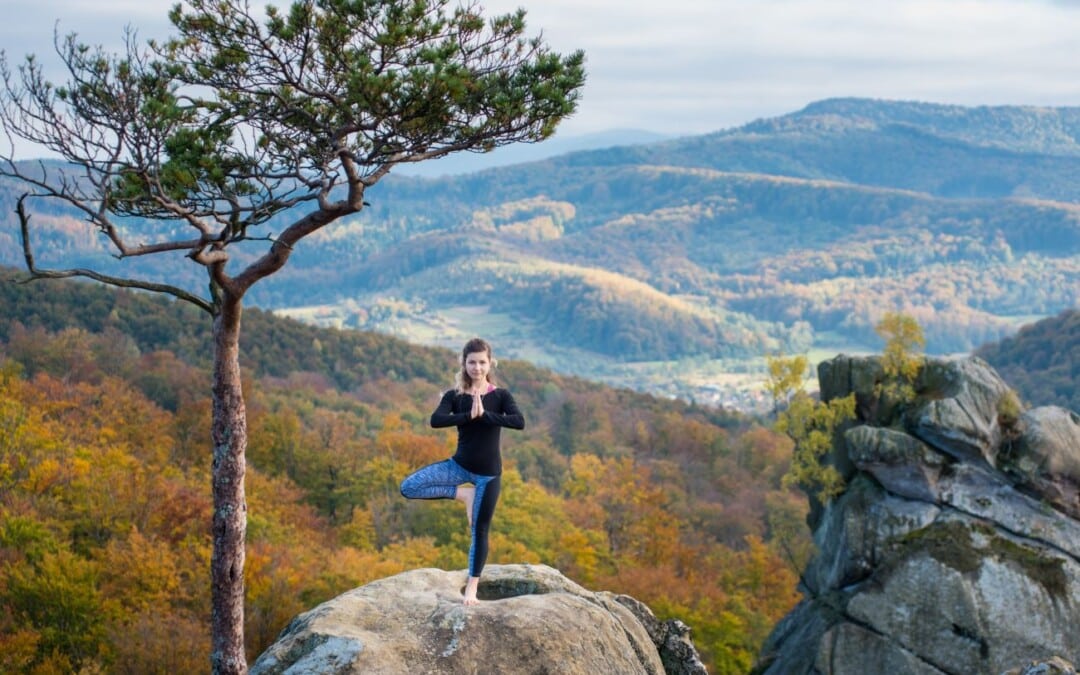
x=462, y=381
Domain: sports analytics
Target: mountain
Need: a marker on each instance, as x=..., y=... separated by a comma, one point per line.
x=1042, y=361
x=694, y=257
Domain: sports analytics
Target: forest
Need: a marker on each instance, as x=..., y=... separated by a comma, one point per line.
x=104, y=481
x=105, y=489
x=787, y=234
x=1042, y=361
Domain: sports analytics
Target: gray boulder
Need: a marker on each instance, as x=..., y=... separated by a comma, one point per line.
x=960, y=413
x=532, y=619
x=908, y=466
x=860, y=375
x=1045, y=458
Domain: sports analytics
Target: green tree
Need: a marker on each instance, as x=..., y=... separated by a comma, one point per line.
x=58, y=597
x=236, y=120
x=811, y=424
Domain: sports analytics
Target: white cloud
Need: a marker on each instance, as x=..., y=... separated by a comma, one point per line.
x=689, y=66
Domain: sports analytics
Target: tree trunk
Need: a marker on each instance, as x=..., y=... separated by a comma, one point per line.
x=229, y=434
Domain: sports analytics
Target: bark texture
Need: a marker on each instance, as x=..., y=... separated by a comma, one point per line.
x=229, y=435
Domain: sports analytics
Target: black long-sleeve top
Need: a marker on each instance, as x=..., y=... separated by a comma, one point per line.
x=478, y=439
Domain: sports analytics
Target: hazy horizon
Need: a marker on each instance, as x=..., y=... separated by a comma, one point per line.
x=695, y=66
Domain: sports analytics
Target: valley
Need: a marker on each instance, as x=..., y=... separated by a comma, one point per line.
x=691, y=260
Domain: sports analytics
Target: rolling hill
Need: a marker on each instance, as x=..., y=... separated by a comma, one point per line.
x=688, y=260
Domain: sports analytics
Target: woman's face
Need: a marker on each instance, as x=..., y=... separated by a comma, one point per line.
x=477, y=365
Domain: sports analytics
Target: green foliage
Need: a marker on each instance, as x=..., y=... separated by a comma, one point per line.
x=58, y=597
x=381, y=81
x=786, y=376
x=811, y=424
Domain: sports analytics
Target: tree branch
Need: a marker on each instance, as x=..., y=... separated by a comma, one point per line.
x=36, y=273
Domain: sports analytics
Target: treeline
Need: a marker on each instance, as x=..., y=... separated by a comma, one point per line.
x=1042, y=361
x=631, y=321
x=105, y=502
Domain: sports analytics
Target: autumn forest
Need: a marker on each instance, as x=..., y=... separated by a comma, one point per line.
x=105, y=505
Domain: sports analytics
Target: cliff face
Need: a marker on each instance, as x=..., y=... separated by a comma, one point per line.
x=532, y=620
x=955, y=547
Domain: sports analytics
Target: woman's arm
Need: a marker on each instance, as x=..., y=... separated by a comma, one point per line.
x=444, y=415
x=510, y=415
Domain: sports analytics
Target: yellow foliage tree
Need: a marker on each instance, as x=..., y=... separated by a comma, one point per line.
x=811, y=424
x=902, y=357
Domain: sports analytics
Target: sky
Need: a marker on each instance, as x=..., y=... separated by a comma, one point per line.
x=681, y=67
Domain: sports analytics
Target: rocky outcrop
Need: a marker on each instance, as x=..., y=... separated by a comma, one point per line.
x=1044, y=459
x=955, y=547
x=532, y=620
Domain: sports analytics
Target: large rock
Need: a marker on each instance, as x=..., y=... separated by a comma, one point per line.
x=954, y=549
x=960, y=415
x=1045, y=457
x=905, y=464
x=532, y=620
x=859, y=375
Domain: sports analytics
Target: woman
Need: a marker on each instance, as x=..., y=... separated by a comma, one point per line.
x=479, y=410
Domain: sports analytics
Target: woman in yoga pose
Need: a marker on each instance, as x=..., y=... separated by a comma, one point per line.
x=479, y=410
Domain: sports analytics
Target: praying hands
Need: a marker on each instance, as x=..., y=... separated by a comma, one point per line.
x=478, y=404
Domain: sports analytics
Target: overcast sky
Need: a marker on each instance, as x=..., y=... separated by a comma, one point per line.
x=693, y=66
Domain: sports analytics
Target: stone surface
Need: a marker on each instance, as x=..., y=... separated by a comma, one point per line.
x=1052, y=666
x=1045, y=458
x=905, y=464
x=531, y=619
x=954, y=549
x=960, y=417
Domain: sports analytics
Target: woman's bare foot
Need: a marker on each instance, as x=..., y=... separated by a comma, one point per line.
x=466, y=494
x=470, y=591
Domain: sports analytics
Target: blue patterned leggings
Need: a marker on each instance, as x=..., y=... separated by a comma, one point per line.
x=440, y=481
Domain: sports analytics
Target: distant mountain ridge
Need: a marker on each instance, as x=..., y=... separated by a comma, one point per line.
x=788, y=234
x=1035, y=129
x=995, y=151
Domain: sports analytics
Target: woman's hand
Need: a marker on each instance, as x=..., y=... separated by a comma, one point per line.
x=477, y=404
